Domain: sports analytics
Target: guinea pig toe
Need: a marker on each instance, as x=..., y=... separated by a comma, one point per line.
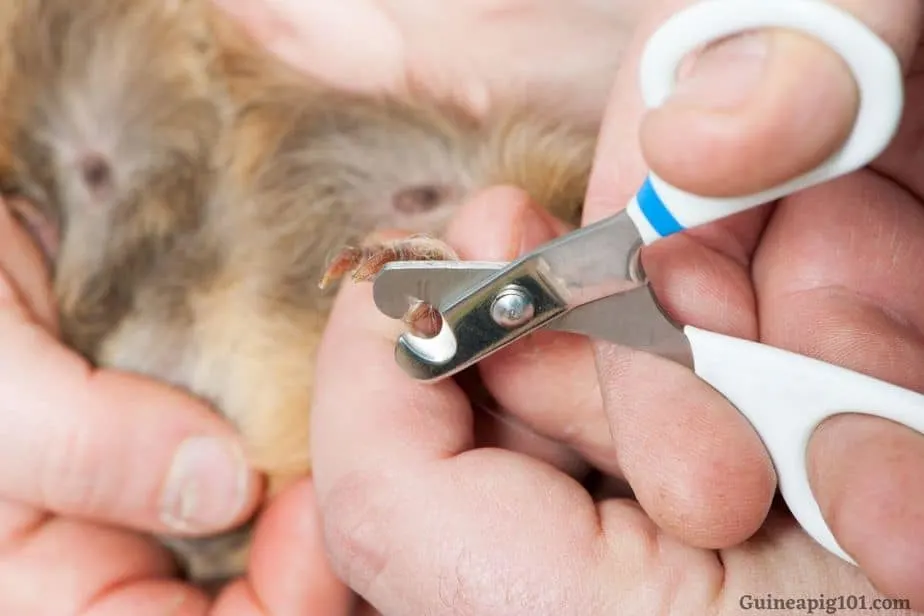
x=423, y=320
x=42, y=230
x=413, y=248
x=346, y=259
x=366, y=262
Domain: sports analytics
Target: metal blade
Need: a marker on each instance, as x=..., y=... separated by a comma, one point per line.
x=631, y=319
x=575, y=270
x=595, y=261
x=589, y=263
x=438, y=283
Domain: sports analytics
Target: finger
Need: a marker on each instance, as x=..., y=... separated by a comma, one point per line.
x=93, y=570
x=110, y=446
x=565, y=55
x=758, y=577
x=22, y=262
x=149, y=598
x=750, y=106
x=364, y=609
x=548, y=380
x=854, y=298
x=288, y=571
x=499, y=429
x=735, y=143
x=866, y=474
x=300, y=33
x=901, y=160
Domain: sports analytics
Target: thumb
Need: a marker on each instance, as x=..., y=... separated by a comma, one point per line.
x=22, y=263
x=110, y=446
x=764, y=107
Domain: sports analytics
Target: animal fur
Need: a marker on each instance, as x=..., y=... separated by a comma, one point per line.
x=191, y=190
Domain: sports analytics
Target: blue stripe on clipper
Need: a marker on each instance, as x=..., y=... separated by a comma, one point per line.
x=658, y=216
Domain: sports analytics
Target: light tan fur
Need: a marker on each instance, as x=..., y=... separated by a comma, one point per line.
x=199, y=188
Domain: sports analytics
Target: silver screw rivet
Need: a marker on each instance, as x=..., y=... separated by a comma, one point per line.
x=513, y=306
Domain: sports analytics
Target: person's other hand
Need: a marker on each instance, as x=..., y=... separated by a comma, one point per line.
x=558, y=53
x=89, y=456
x=421, y=518
x=829, y=272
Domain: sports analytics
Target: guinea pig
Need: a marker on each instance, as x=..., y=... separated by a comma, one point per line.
x=190, y=190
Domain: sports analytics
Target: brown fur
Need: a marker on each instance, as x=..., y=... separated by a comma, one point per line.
x=199, y=186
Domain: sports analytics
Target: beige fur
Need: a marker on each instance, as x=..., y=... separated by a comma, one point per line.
x=199, y=187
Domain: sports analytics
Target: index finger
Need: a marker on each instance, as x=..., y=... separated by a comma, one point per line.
x=22, y=261
x=424, y=423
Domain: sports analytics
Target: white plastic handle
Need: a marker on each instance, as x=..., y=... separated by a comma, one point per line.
x=660, y=209
x=786, y=396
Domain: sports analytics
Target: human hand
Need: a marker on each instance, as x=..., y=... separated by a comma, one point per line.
x=759, y=116
x=523, y=536
x=421, y=517
x=91, y=456
x=557, y=52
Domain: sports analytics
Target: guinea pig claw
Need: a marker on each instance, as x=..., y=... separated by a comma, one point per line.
x=366, y=262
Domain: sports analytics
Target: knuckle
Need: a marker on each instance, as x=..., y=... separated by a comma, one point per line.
x=69, y=475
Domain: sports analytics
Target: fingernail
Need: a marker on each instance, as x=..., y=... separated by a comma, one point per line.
x=726, y=74
x=207, y=485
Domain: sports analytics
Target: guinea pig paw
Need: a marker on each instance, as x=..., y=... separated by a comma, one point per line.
x=367, y=261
